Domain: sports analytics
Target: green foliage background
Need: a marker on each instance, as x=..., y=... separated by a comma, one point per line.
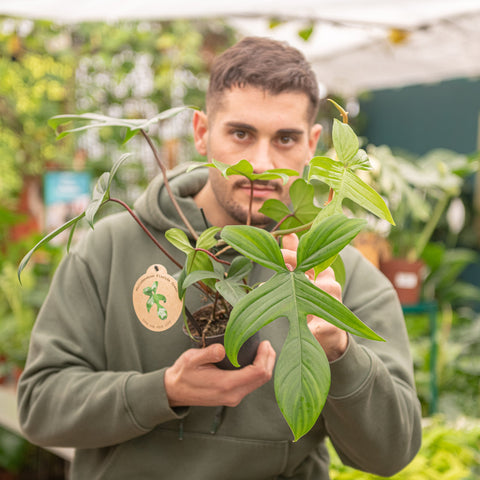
x=129, y=69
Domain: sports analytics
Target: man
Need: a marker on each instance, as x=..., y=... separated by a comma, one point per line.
x=140, y=404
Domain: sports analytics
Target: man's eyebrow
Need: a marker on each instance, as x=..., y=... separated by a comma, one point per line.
x=290, y=131
x=242, y=126
x=282, y=131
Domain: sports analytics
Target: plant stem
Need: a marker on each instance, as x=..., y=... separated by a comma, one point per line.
x=192, y=320
x=210, y=320
x=343, y=113
x=250, y=205
x=184, y=219
x=145, y=229
x=210, y=254
x=277, y=226
x=223, y=250
x=301, y=228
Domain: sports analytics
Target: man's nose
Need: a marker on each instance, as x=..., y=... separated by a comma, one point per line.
x=263, y=157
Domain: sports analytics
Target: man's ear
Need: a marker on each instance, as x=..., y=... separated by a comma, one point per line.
x=200, y=129
x=315, y=132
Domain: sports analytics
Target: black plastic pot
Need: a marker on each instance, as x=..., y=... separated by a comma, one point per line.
x=246, y=355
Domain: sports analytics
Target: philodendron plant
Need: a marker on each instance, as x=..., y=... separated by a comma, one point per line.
x=302, y=373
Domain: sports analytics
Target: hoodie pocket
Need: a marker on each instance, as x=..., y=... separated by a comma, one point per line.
x=162, y=455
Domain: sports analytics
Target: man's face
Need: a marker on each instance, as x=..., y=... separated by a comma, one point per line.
x=270, y=131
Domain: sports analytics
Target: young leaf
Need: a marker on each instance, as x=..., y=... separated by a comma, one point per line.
x=199, y=276
x=100, y=195
x=275, y=209
x=231, y=290
x=256, y=244
x=200, y=261
x=116, y=166
x=45, y=240
x=240, y=268
x=207, y=239
x=344, y=141
x=303, y=208
x=178, y=238
x=196, y=261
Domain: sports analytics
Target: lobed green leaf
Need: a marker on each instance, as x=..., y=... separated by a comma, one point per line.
x=348, y=185
x=97, y=121
x=301, y=367
x=292, y=295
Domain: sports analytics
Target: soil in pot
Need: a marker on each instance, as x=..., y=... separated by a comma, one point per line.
x=214, y=331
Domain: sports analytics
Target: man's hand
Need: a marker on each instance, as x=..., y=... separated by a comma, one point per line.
x=194, y=380
x=333, y=340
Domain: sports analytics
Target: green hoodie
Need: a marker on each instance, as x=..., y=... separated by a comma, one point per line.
x=94, y=375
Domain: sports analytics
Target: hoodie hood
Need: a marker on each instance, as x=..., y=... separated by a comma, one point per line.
x=155, y=207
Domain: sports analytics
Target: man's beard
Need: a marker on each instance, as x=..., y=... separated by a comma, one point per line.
x=239, y=212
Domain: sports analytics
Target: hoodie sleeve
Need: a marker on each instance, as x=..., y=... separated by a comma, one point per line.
x=372, y=414
x=68, y=396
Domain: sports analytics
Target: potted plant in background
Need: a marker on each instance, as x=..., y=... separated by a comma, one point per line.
x=418, y=191
x=324, y=231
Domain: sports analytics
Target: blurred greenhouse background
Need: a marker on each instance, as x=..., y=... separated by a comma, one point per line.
x=422, y=133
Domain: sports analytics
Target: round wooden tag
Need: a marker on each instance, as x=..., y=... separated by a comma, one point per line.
x=155, y=299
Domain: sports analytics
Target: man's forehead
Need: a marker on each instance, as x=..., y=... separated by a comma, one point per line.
x=248, y=90
x=241, y=104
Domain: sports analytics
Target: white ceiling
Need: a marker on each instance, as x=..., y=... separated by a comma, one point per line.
x=351, y=47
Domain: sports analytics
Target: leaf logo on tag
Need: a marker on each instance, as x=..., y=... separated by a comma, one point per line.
x=155, y=299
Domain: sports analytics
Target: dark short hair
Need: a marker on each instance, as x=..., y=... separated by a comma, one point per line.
x=270, y=65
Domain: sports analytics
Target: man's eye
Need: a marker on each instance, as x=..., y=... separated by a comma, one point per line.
x=286, y=139
x=240, y=134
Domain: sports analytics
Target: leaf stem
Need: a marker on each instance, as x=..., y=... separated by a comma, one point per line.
x=277, y=226
x=210, y=254
x=184, y=219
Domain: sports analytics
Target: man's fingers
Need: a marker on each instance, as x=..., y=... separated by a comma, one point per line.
x=265, y=356
x=290, y=242
x=289, y=250
x=202, y=356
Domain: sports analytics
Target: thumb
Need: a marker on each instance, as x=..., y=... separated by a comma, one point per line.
x=289, y=250
x=211, y=354
x=290, y=242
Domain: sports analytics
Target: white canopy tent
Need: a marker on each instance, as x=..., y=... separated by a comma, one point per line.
x=355, y=45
